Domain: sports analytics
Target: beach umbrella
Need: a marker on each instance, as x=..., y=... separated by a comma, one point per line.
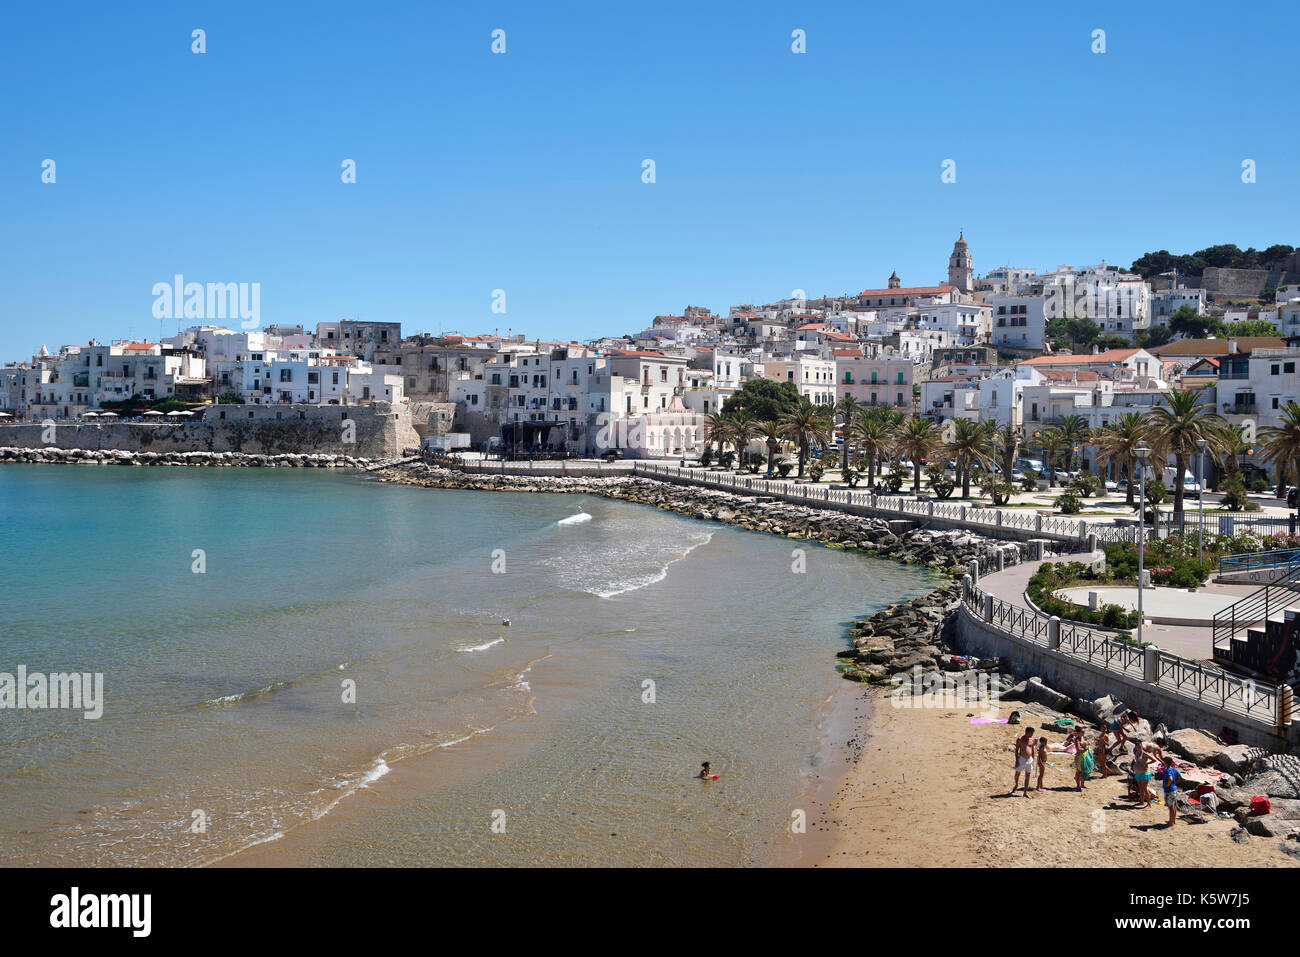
x=152, y=412
x=108, y=415
x=179, y=412
x=90, y=415
x=5, y=415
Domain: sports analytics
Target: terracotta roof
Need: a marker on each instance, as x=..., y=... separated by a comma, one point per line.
x=846, y=352
x=1068, y=375
x=643, y=354
x=811, y=325
x=1085, y=358
x=1217, y=347
x=909, y=291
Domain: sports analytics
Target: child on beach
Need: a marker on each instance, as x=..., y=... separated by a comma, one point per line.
x=1169, y=779
x=1042, y=761
x=706, y=771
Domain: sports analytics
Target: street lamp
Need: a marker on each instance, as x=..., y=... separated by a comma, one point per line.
x=1200, y=491
x=1142, y=453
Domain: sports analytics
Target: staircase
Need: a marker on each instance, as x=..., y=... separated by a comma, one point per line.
x=1256, y=631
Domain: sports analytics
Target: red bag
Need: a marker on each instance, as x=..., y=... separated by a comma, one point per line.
x=1260, y=805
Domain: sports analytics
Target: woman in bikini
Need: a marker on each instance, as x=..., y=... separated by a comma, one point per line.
x=1101, y=747
x=1142, y=775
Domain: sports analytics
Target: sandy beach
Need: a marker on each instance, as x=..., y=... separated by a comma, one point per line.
x=929, y=789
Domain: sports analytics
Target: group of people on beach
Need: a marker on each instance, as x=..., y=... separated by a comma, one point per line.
x=1148, y=760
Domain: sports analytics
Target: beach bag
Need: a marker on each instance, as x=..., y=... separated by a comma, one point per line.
x=1260, y=805
x=1014, y=718
x=1086, y=763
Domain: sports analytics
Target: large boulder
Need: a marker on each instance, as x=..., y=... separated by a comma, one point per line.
x=1237, y=758
x=1275, y=776
x=1199, y=747
x=1034, y=690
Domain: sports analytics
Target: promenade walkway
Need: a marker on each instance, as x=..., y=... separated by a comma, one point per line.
x=1188, y=641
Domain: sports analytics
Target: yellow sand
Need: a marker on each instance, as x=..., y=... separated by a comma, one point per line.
x=929, y=789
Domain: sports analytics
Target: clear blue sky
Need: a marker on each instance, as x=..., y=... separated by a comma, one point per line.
x=522, y=171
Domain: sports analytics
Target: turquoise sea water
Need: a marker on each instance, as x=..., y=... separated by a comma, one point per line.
x=225, y=690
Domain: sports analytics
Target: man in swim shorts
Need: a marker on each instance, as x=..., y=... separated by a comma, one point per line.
x=1024, y=759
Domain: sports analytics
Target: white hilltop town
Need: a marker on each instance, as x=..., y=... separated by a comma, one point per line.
x=1013, y=346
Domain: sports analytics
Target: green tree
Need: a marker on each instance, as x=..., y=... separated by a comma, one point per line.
x=1174, y=429
x=972, y=447
x=1075, y=434
x=764, y=399
x=742, y=431
x=1186, y=321
x=769, y=430
x=1052, y=444
x=805, y=425
x=1280, y=444
x=1118, y=442
x=873, y=435
x=915, y=440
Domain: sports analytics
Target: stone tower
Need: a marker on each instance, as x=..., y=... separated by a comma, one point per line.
x=960, y=272
x=894, y=281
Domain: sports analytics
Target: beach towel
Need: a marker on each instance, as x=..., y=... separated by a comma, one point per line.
x=1086, y=764
x=988, y=720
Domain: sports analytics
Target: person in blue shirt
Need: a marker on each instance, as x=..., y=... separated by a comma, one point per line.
x=1169, y=779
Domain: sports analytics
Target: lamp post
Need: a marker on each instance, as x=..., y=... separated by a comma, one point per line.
x=1142, y=453
x=1200, y=508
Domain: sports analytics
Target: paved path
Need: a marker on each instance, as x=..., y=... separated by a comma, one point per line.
x=1189, y=641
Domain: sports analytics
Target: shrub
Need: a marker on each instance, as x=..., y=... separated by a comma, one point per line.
x=1029, y=482
x=1069, y=502
x=1235, y=498
x=853, y=475
x=706, y=458
x=1114, y=616
x=816, y=471
x=1051, y=577
x=893, y=482
x=998, y=492
x=1087, y=485
x=1259, y=485
x=727, y=458
x=783, y=469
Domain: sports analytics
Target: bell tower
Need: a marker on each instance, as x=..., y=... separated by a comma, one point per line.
x=960, y=271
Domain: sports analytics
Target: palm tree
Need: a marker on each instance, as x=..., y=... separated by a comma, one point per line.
x=1052, y=443
x=1007, y=440
x=742, y=433
x=916, y=439
x=1234, y=446
x=1174, y=429
x=873, y=435
x=1118, y=443
x=805, y=425
x=1074, y=434
x=717, y=428
x=770, y=432
x=971, y=446
x=1280, y=444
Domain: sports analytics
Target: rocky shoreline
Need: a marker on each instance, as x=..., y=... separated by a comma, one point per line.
x=57, y=456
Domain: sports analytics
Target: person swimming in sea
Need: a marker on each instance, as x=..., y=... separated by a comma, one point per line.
x=706, y=771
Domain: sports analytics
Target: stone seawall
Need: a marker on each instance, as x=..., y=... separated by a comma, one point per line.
x=1082, y=680
x=381, y=432
x=210, y=459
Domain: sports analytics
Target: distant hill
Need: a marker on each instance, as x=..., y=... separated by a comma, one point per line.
x=1278, y=258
